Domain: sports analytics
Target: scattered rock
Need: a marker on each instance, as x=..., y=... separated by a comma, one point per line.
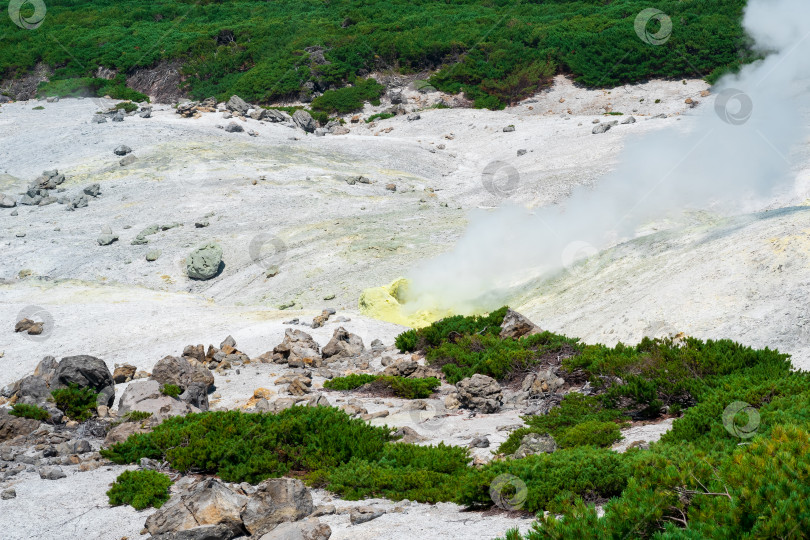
x=362, y=514
x=480, y=393
x=479, y=442
x=233, y=127
x=92, y=190
x=515, y=325
x=603, y=127
x=122, y=150
x=86, y=372
x=51, y=473
x=275, y=501
x=7, y=494
x=204, y=262
x=298, y=350
x=534, y=443
x=304, y=120
x=509, y=129
x=181, y=372
x=124, y=373
x=629, y=120
x=128, y=160
x=153, y=255
x=237, y=105
x=343, y=345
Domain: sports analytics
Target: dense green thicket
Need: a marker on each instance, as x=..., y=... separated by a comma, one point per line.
x=77, y=403
x=494, y=50
x=29, y=411
x=416, y=388
x=441, y=331
x=140, y=489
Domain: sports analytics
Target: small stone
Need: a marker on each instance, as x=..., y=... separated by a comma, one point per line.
x=122, y=150
x=509, y=129
x=128, y=160
x=391, y=187
x=521, y=152
x=153, y=255
x=8, y=494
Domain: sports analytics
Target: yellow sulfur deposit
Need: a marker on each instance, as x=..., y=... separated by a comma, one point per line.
x=386, y=304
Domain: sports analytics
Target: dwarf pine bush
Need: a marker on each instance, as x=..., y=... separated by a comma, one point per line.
x=140, y=489
x=404, y=387
x=30, y=411
x=77, y=403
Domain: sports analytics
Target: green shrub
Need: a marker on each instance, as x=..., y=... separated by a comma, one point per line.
x=379, y=116
x=590, y=433
x=136, y=416
x=30, y=411
x=423, y=339
x=126, y=106
x=415, y=388
x=242, y=447
x=171, y=390
x=77, y=403
x=350, y=98
x=38, y=108
x=90, y=87
x=140, y=489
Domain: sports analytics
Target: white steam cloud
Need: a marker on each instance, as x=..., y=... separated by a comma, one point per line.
x=736, y=152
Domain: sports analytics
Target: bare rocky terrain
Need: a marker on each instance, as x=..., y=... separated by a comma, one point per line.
x=307, y=222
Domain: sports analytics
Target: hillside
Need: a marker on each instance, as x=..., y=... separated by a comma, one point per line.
x=495, y=51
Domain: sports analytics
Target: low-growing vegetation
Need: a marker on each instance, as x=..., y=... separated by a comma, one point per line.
x=171, y=390
x=140, y=489
x=496, y=52
x=33, y=412
x=696, y=482
x=77, y=403
x=416, y=388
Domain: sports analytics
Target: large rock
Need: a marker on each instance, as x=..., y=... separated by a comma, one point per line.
x=124, y=373
x=237, y=105
x=298, y=349
x=276, y=500
x=534, y=443
x=86, y=372
x=121, y=432
x=145, y=396
x=542, y=382
x=32, y=390
x=515, y=325
x=208, y=502
x=480, y=393
x=206, y=532
x=304, y=120
x=204, y=262
x=311, y=529
x=343, y=345
x=181, y=372
x=14, y=426
x=362, y=514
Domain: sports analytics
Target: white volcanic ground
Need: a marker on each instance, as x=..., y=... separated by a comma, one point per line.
x=741, y=277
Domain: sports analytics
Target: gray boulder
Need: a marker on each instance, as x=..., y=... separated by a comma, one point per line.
x=93, y=190
x=14, y=426
x=51, y=473
x=86, y=372
x=207, y=503
x=310, y=529
x=204, y=262
x=362, y=514
x=182, y=373
x=106, y=239
x=603, y=127
x=277, y=116
x=6, y=201
x=534, y=443
x=343, y=345
x=237, y=105
x=145, y=396
x=233, y=127
x=276, y=500
x=542, y=382
x=206, y=532
x=304, y=120
x=629, y=120
x=515, y=325
x=480, y=393
x=122, y=150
